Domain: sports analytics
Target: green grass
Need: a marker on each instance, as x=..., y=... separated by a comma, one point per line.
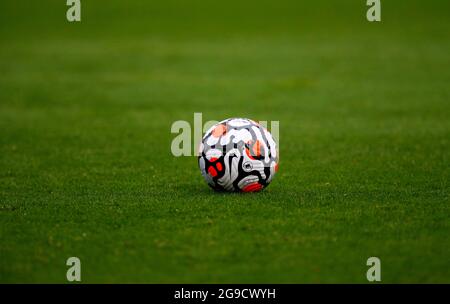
x=85, y=162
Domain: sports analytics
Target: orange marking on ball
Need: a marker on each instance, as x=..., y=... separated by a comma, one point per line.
x=252, y=187
x=257, y=148
x=247, y=151
x=212, y=171
x=219, y=130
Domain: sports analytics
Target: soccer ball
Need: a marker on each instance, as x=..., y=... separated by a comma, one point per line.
x=238, y=154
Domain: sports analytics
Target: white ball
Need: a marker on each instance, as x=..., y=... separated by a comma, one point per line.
x=238, y=154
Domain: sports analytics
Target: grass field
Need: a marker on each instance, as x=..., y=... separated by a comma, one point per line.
x=85, y=162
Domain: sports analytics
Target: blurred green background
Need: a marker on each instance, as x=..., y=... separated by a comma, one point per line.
x=85, y=162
